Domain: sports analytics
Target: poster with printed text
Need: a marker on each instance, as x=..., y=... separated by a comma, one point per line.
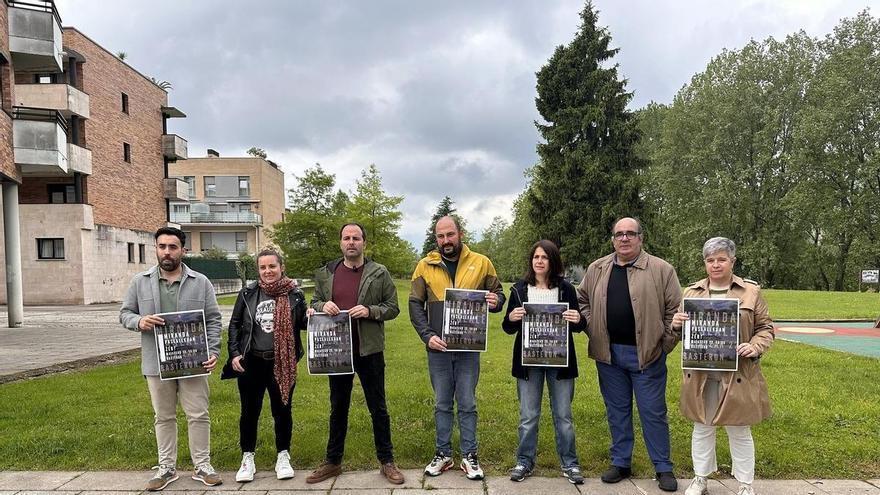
x=710, y=334
x=465, y=320
x=182, y=344
x=545, y=335
x=330, y=344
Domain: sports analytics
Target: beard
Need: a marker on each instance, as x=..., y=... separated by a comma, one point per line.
x=450, y=250
x=169, y=264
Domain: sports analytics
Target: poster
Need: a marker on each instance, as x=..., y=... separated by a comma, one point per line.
x=545, y=335
x=182, y=344
x=330, y=344
x=710, y=334
x=465, y=320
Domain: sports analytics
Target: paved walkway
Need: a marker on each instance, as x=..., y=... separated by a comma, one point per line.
x=57, y=337
x=372, y=483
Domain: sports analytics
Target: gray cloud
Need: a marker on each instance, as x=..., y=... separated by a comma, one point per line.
x=439, y=95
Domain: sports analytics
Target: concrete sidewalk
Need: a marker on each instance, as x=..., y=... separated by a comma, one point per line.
x=372, y=483
x=55, y=338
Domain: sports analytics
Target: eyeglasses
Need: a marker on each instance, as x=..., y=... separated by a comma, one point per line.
x=629, y=234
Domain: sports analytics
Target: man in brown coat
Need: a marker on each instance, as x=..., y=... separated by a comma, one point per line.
x=628, y=299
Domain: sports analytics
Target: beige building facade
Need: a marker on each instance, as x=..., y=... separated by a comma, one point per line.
x=232, y=202
x=87, y=183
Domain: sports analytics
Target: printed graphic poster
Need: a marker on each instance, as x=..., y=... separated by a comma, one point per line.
x=545, y=335
x=465, y=320
x=330, y=344
x=710, y=334
x=182, y=344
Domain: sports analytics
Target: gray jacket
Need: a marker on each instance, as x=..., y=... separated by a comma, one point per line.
x=142, y=299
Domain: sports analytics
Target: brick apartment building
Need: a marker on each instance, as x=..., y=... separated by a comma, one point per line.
x=231, y=202
x=84, y=154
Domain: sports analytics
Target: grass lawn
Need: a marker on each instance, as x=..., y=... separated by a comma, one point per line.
x=818, y=305
x=826, y=418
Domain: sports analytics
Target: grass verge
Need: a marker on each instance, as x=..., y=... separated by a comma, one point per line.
x=825, y=425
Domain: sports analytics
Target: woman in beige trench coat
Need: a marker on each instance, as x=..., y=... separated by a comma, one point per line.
x=735, y=400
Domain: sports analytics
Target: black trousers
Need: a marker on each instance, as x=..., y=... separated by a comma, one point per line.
x=252, y=385
x=371, y=371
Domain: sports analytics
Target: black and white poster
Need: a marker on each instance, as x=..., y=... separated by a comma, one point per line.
x=545, y=335
x=710, y=334
x=182, y=344
x=465, y=320
x=330, y=344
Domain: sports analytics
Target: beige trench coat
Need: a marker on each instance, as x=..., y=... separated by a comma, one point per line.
x=744, y=396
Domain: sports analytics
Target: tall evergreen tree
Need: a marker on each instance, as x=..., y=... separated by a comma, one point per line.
x=446, y=207
x=588, y=172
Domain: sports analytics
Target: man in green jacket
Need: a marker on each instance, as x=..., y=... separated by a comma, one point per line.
x=365, y=289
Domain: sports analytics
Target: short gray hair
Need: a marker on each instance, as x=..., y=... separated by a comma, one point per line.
x=717, y=244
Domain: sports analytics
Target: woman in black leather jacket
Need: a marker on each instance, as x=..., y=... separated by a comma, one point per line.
x=264, y=349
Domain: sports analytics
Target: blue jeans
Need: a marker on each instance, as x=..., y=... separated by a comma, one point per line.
x=561, y=393
x=618, y=382
x=454, y=375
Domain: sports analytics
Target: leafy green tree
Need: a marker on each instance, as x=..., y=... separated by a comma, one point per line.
x=246, y=267
x=445, y=208
x=309, y=234
x=588, y=172
x=257, y=152
x=724, y=160
x=838, y=138
x=380, y=215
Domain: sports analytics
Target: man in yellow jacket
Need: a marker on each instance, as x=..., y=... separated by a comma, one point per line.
x=454, y=375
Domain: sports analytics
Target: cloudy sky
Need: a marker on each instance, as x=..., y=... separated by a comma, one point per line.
x=439, y=95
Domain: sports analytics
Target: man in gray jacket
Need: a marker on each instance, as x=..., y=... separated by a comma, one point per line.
x=169, y=287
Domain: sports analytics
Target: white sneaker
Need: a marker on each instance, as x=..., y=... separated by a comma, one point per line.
x=745, y=489
x=699, y=486
x=440, y=462
x=283, y=469
x=247, y=470
x=471, y=467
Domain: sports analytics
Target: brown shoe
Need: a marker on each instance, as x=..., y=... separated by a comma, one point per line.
x=391, y=473
x=326, y=470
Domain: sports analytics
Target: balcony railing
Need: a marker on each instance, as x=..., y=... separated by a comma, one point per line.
x=39, y=141
x=35, y=35
x=175, y=189
x=240, y=217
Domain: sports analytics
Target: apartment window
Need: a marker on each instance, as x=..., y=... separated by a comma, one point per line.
x=210, y=187
x=5, y=78
x=62, y=193
x=50, y=248
x=180, y=208
x=44, y=78
x=142, y=253
x=191, y=182
x=131, y=252
x=126, y=152
x=244, y=187
x=240, y=242
x=244, y=208
x=205, y=241
x=124, y=103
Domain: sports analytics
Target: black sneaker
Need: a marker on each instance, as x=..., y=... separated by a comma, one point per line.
x=520, y=472
x=667, y=482
x=615, y=474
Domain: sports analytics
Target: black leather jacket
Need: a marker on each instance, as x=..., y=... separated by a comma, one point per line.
x=244, y=320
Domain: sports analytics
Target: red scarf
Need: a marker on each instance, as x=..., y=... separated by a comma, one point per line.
x=285, y=345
